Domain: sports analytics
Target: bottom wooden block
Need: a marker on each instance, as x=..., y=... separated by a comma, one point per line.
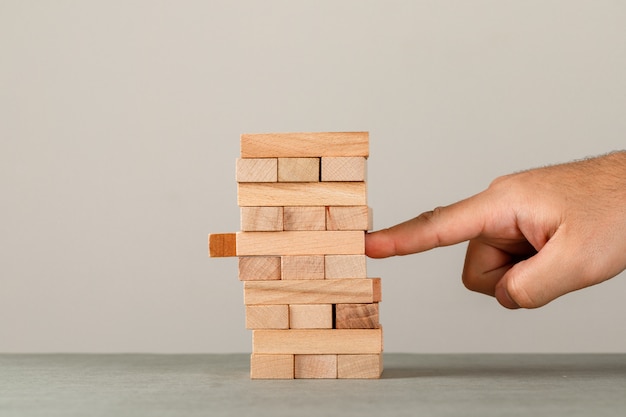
x=359, y=366
x=271, y=366
x=315, y=366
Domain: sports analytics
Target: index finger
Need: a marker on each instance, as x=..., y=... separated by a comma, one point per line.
x=442, y=226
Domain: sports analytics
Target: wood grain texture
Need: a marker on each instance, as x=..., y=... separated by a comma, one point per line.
x=267, y=316
x=357, y=316
x=304, y=218
x=317, y=341
x=222, y=245
x=302, y=194
x=261, y=219
x=302, y=267
x=310, y=316
x=298, y=169
x=313, y=291
x=301, y=243
x=271, y=366
x=345, y=266
x=349, y=218
x=259, y=268
x=257, y=170
x=343, y=168
x=315, y=366
x=304, y=144
x=359, y=366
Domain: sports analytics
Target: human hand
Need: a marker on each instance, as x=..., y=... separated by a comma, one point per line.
x=533, y=236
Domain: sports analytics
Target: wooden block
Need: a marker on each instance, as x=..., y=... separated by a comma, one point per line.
x=261, y=219
x=302, y=194
x=300, y=145
x=257, y=170
x=317, y=341
x=313, y=291
x=356, y=316
x=301, y=243
x=345, y=266
x=222, y=245
x=310, y=316
x=343, y=168
x=298, y=169
x=359, y=366
x=349, y=218
x=271, y=366
x=304, y=218
x=259, y=268
x=315, y=366
x=302, y=267
x=267, y=316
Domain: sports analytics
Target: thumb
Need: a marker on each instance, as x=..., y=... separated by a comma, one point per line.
x=543, y=277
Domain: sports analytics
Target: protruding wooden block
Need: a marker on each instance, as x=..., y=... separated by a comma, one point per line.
x=222, y=245
x=315, y=366
x=257, y=170
x=310, y=316
x=302, y=267
x=259, y=268
x=317, y=341
x=302, y=194
x=301, y=243
x=313, y=291
x=298, y=169
x=267, y=316
x=301, y=144
x=304, y=218
x=345, y=266
x=360, y=366
x=349, y=218
x=261, y=219
x=343, y=168
x=356, y=316
x=271, y=366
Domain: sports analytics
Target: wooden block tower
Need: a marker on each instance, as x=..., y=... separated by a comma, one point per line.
x=312, y=309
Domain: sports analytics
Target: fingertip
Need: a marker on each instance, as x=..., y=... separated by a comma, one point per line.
x=505, y=300
x=377, y=246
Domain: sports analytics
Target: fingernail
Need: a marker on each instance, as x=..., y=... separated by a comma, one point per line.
x=505, y=299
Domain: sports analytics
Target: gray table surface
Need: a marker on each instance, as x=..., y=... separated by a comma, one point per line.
x=218, y=385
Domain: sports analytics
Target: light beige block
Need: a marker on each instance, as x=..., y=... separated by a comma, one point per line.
x=300, y=243
x=302, y=194
x=315, y=366
x=267, y=317
x=261, y=219
x=259, y=268
x=298, y=169
x=302, y=267
x=360, y=366
x=317, y=341
x=313, y=291
x=271, y=366
x=311, y=316
x=345, y=266
x=357, y=316
x=343, y=168
x=257, y=170
x=304, y=218
x=304, y=144
x=224, y=245
x=349, y=218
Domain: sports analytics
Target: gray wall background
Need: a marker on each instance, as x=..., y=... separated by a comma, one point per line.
x=119, y=129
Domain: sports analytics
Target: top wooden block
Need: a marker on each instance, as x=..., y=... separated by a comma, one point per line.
x=301, y=145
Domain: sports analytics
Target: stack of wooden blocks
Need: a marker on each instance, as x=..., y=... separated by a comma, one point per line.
x=312, y=309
